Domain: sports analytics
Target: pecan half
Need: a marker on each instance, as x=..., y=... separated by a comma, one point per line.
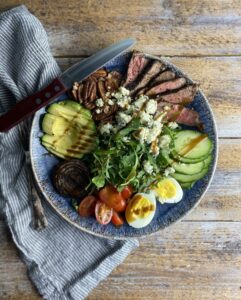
x=100, y=73
x=92, y=91
x=109, y=119
x=102, y=89
x=117, y=76
x=90, y=105
x=111, y=84
x=74, y=92
x=85, y=91
x=80, y=89
x=105, y=112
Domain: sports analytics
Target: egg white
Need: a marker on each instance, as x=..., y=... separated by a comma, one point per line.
x=143, y=222
x=176, y=198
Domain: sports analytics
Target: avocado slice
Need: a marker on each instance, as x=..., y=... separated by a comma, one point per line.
x=62, y=153
x=63, y=110
x=75, y=106
x=47, y=123
x=69, y=130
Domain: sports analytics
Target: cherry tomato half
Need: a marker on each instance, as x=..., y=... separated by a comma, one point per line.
x=87, y=206
x=110, y=196
x=117, y=219
x=103, y=213
x=127, y=192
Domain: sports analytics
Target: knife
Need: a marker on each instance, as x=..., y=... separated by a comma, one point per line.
x=61, y=84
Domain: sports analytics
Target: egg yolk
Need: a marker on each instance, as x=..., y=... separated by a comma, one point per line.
x=166, y=189
x=139, y=207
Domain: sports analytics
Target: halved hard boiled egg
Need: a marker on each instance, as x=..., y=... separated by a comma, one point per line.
x=140, y=210
x=168, y=190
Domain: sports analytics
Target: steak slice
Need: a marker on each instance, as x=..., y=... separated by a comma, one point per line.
x=137, y=63
x=180, y=114
x=166, y=86
x=142, y=81
x=164, y=76
x=183, y=96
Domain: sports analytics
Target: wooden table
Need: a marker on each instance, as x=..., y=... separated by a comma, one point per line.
x=200, y=257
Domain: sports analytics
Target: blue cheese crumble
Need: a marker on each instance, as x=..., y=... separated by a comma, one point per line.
x=148, y=168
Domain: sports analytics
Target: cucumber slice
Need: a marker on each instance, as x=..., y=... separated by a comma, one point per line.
x=188, y=169
x=208, y=160
x=189, y=178
x=187, y=185
x=192, y=160
x=192, y=144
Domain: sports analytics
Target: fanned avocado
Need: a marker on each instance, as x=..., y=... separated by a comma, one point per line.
x=69, y=130
x=62, y=153
x=63, y=109
x=47, y=124
x=59, y=125
x=69, y=142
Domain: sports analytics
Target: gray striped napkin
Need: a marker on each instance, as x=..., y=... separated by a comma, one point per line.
x=62, y=261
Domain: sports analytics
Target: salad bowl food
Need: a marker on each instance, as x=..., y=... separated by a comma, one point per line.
x=128, y=151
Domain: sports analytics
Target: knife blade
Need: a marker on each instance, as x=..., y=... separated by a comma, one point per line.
x=59, y=85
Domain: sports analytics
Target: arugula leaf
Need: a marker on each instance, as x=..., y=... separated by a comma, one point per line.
x=99, y=181
x=132, y=126
x=120, y=163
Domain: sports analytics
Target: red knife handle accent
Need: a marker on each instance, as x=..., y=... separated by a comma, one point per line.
x=31, y=104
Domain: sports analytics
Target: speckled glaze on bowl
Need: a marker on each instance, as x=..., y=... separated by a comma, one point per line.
x=166, y=214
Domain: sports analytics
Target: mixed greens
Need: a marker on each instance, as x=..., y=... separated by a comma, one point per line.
x=120, y=159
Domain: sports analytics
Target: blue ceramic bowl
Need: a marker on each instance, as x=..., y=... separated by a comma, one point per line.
x=43, y=164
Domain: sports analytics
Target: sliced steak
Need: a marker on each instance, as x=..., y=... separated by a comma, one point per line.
x=152, y=71
x=136, y=65
x=166, y=86
x=164, y=76
x=180, y=114
x=183, y=96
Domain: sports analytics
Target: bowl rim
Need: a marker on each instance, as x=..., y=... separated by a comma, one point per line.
x=180, y=217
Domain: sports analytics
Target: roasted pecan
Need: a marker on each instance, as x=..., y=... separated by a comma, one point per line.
x=85, y=91
x=109, y=119
x=74, y=92
x=101, y=88
x=116, y=75
x=80, y=89
x=105, y=112
x=90, y=105
x=92, y=91
x=100, y=73
x=111, y=84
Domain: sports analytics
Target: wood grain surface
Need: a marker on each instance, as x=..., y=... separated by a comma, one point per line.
x=199, y=257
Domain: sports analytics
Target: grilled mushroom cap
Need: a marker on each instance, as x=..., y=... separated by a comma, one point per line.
x=71, y=178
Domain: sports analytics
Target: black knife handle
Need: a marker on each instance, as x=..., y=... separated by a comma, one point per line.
x=31, y=104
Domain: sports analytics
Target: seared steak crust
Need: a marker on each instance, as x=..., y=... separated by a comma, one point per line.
x=152, y=70
x=137, y=64
x=183, y=96
x=166, y=86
